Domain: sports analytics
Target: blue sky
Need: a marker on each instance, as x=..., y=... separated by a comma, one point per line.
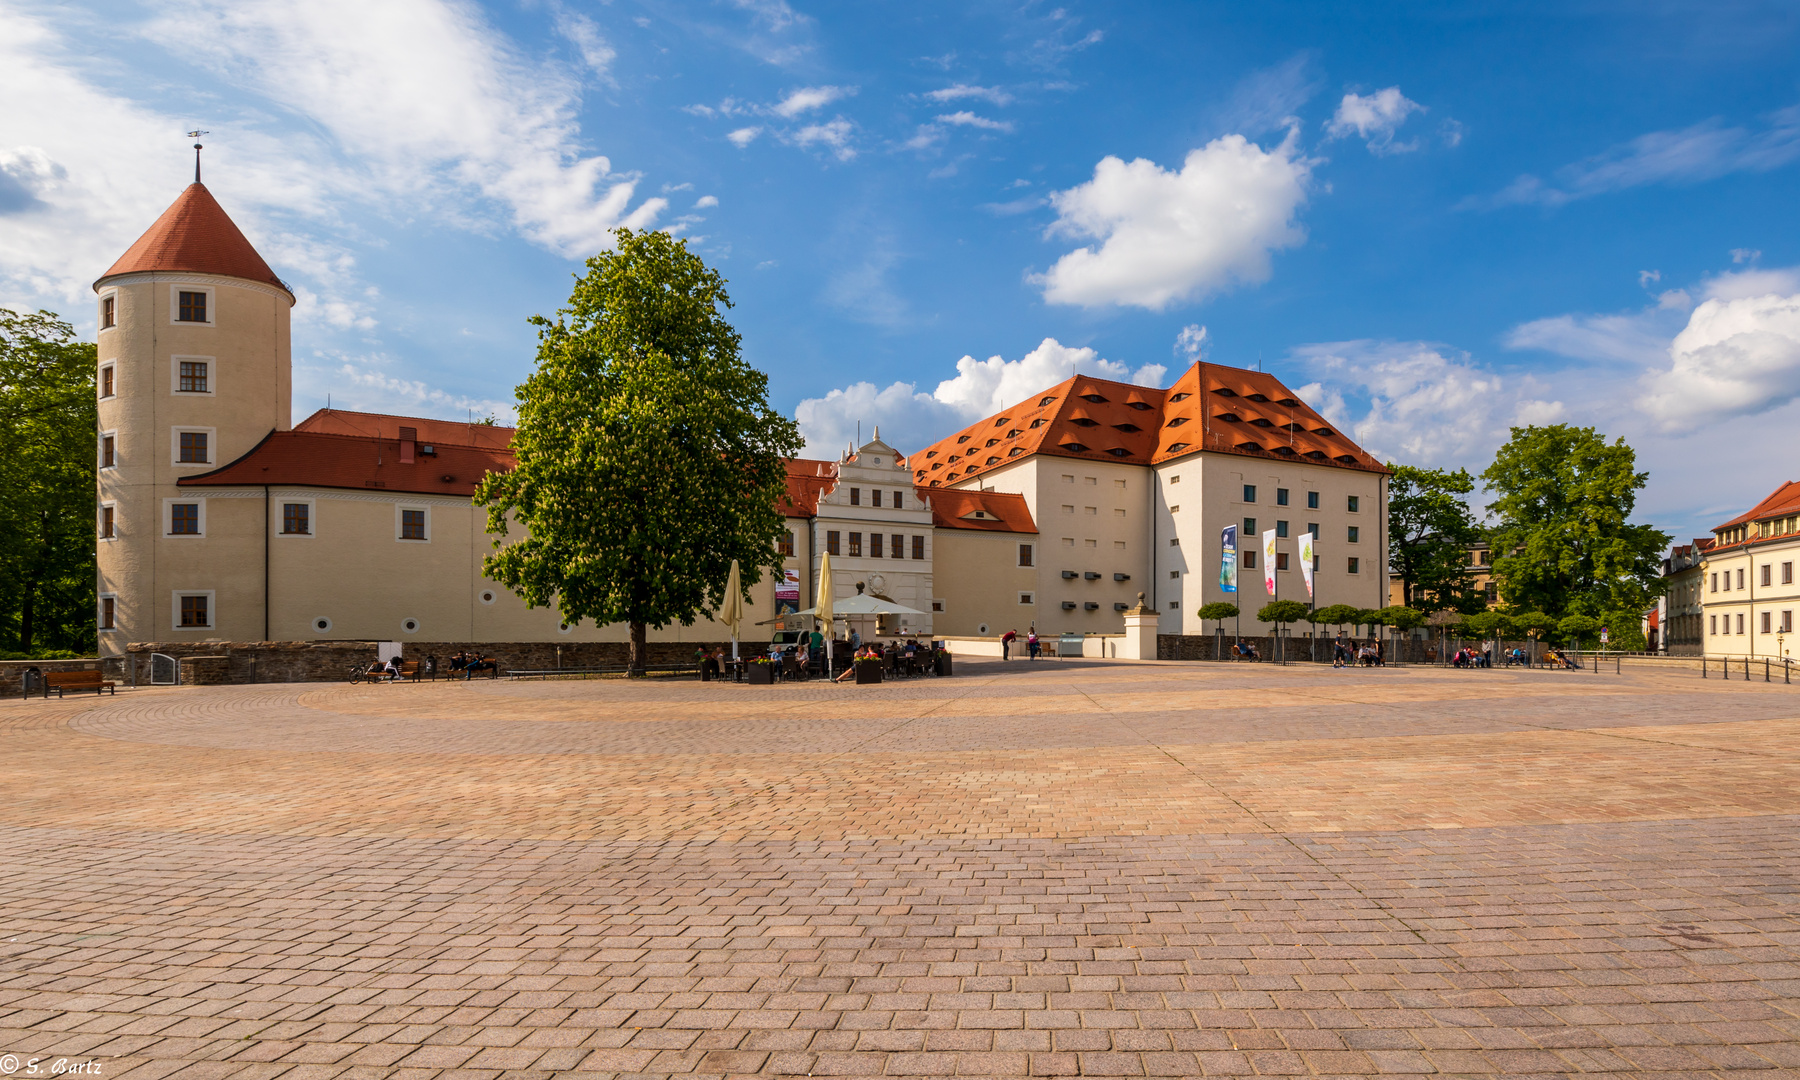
x=1438, y=221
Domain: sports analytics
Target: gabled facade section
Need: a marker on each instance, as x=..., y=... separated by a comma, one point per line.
x=1751, y=588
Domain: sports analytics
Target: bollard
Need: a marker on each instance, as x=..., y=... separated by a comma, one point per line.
x=1703, y=667
x=1765, y=669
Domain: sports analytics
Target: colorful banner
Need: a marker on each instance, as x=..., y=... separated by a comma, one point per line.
x=1269, y=561
x=787, y=592
x=1228, y=559
x=1306, y=561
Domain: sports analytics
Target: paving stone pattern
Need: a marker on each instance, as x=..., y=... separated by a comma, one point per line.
x=1050, y=870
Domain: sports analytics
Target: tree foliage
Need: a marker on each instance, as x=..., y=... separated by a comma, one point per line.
x=648, y=455
x=47, y=425
x=1335, y=615
x=1282, y=611
x=1564, y=544
x=1219, y=610
x=1401, y=617
x=1430, y=530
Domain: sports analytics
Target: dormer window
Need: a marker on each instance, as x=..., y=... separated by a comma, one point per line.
x=1261, y=422
x=1223, y=391
x=1287, y=402
x=1039, y=422
x=1082, y=421
x=1174, y=447
x=1015, y=451
x=1003, y=421
x=1258, y=397
x=960, y=439
x=930, y=454
x=1046, y=401
x=1325, y=431
x=1250, y=446
x=1141, y=406
x=1014, y=433
x=1074, y=448
x=1177, y=422
x=993, y=442
x=1094, y=398
x=1127, y=428
x=993, y=461
x=954, y=457
x=1119, y=451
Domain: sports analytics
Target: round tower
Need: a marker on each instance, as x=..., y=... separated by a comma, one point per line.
x=194, y=372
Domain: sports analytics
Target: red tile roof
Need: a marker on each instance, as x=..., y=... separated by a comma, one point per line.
x=954, y=508
x=1210, y=407
x=808, y=479
x=432, y=432
x=196, y=235
x=323, y=459
x=1782, y=502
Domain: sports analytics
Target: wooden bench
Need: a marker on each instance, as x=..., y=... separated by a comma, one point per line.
x=409, y=671
x=60, y=681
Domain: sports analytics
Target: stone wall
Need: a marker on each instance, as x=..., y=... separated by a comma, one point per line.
x=1298, y=649
x=331, y=661
x=12, y=672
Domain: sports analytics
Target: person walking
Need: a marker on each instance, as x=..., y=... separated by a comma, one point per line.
x=1340, y=651
x=1006, y=641
x=1032, y=645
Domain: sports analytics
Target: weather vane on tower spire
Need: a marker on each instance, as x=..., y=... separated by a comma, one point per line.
x=197, y=149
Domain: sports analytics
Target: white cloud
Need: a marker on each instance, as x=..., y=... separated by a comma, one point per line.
x=357, y=382
x=969, y=119
x=1375, y=119
x=1639, y=337
x=1268, y=99
x=910, y=419
x=1745, y=255
x=963, y=90
x=1168, y=237
x=835, y=134
x=1191, y=342
x=1738, y=356
x=432, y=103
x=744, y=136
x=1691, y=155
x=705, y=201
x=595, y=51
x=1408, y=401
x=808, y=98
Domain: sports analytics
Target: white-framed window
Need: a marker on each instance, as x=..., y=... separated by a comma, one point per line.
x=1712, y=625
x=109, y=309
x=193, y=376
x=297, y=517
x=1027, y=554
x=1740, y=618
x=190, y=447
x=107, y=450
x=107, y=523
x=184, y=518
x=412, y=523
x=108, y=384
x=106, y=613
x=193, y=609
x=193, y=305
x=1025, y=598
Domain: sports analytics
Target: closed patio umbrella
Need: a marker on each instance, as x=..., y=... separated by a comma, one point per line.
x=824, y=604
x=731, y=609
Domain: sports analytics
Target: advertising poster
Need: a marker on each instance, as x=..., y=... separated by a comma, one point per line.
x=787, y=592
x=1269, y=561
x=1228, y=559
x=1306, y=561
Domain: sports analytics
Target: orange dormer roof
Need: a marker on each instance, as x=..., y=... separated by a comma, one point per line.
x=808, y=480
x=385, y=425
x=982, y=511
x=195, y=235
x=1782, y=502
x=1210, y=407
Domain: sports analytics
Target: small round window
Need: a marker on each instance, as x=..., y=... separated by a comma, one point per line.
x=322, y=625
x=982, y=629
x=411, y=626
x=564, y=628
x=487, y=596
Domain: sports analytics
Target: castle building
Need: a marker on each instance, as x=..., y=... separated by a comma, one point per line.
x=1132, y=487
x=220, y=520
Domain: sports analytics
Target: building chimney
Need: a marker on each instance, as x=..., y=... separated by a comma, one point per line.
x=409, y=438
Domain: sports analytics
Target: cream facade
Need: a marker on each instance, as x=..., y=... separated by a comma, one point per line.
x=1751, y=595
x=878, y=531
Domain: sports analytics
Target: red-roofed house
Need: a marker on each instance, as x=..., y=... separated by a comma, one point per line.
x=1131, y=488
x=1751, y=594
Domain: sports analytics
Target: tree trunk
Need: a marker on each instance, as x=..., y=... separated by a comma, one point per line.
x=27, y=616
x=639, y=652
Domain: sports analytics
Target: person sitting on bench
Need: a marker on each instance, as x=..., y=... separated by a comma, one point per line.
x=391, y=669
x=479, y=662
x=1247, y=650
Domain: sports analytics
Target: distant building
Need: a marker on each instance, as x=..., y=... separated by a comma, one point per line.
x=1677, y=625
x=1750, y=591
x=1479, y=576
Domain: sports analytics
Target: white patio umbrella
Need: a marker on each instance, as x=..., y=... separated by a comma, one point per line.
x=825, y=605
x=731, y=609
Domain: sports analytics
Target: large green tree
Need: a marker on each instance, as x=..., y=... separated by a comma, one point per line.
x=47, y=426
x=1430, y=531
x=1564, y=544
x=648, y=455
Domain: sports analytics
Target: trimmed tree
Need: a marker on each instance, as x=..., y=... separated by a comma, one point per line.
x=1282, y=612
x=1576, y=628
x=1220, y=611
x=648, y=454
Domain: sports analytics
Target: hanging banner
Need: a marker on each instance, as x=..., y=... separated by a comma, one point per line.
x=1269, y=561
x=787, y=592
x=1228, y=559
x=1306, y=561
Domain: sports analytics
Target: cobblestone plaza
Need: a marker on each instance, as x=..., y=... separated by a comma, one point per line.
x=1029, y=869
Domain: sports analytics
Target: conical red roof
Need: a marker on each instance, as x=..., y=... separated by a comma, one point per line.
x=195, y=235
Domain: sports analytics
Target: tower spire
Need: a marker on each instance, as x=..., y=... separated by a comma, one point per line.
x=197, y=149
